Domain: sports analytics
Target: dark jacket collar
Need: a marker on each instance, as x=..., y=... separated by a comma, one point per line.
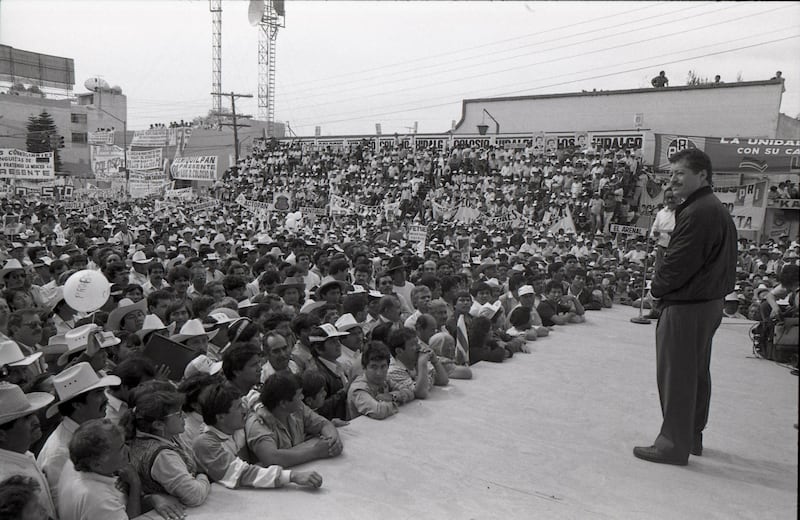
x=700, y=192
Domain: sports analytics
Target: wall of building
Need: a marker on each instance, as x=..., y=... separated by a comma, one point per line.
x=73, y=120
x=788, y=127
x=730, y=109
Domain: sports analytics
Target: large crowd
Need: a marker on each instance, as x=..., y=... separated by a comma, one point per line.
x=233, y=344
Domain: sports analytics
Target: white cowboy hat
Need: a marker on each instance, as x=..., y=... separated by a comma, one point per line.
x=153, y=323
x=346, y=322
x=76, y=380
x=124, y=307
x=11, y=355
x=77, y=339
x=11, y=265
x=14, y=403
x=140, y=258
x=329, y=331
x=192, y=329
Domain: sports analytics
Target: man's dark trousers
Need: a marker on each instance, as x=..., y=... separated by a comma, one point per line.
x=683, y=356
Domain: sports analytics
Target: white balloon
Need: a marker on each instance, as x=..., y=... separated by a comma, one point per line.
x=87, y=290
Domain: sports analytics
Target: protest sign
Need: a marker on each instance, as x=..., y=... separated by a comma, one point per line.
x=101, y=137
x=201, y=168
x=144, y=159
x=628, y=230
x=106, y=161
x=18, y=164
x=417, y=233
x=151, y=138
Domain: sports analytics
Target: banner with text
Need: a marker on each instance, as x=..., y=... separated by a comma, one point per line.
x=18, y=164
x=151, y=137
x=144, y=159
x=106, y=161
x=202, y=168
x=101, y=137
x=734, y=154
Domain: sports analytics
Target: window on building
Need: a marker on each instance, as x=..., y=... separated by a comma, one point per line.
x=78, y=118
x=80, y=137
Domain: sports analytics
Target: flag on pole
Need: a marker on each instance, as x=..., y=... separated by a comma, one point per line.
x=462, y=343
x=565, y=222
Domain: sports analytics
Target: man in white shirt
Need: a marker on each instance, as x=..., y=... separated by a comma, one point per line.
x=663, y=225
x=81, y=398
x=19, y=429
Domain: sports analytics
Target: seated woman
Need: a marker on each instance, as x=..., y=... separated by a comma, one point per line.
x=371, y=393
x=220, y=455
x=282, y=430
x=163, y=464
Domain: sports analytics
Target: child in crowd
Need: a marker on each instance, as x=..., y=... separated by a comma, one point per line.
x=372, y=394
x=315, y=393
x=520, y=321
x=223, y=459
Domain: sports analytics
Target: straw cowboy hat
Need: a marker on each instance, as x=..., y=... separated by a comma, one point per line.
x=77, y=339
x=14, y=403
x=76, y=380
x=11, y=355
x=125, y=307
x=192, y=329
x=153, y=323
x=329, y=282
x=11, y=265
x=293, y=281
x=311, y=305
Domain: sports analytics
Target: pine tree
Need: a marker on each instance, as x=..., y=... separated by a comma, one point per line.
x=42, y=132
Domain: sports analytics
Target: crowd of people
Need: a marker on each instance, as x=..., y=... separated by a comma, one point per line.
x=290, y=332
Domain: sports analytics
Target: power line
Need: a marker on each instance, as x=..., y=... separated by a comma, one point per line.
x=623, y=63
x=465, y=49
x=383, y=77
x=636, y=69
x=515, y=68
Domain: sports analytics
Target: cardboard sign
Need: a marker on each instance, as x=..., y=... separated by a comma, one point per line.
x=628, y=230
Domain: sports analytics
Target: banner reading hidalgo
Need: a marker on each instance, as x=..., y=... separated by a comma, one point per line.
x=201, y=168
x=144, y=159
x=18, y=164
x=150, y=137
x=734, y=154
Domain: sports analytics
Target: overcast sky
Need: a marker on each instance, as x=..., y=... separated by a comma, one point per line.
x=348, y=65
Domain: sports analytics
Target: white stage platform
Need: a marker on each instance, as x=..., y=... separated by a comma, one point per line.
x=549, y=435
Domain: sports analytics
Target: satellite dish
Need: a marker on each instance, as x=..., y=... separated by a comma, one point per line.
x=95, y=84
x=255, y=11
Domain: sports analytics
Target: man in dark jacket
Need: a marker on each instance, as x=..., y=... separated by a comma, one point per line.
x=698, y=270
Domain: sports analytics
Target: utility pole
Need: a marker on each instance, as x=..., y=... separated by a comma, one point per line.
x=235, y=124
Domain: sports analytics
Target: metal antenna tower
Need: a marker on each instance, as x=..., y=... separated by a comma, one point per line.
x=269, y=15
x=215, y=6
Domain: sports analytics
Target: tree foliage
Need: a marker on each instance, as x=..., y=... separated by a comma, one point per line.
x=693, y=78
x=42, y=135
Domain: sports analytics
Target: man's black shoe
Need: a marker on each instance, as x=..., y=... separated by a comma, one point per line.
x=653, y=454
